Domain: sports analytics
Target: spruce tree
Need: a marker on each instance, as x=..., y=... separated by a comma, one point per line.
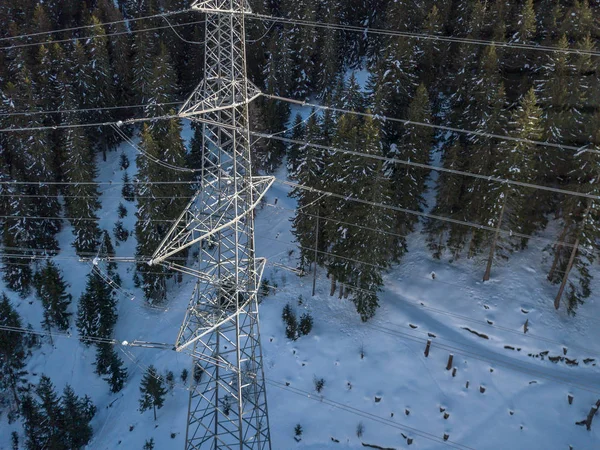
x=96, y=314
x=153, y=391
x=510, y=205
x=81, y=198
x=12, y=353
x=52, y=291
x=295, y=149
x=415, y=145
x=77, y=414
x=310, y=173
x=53, y=424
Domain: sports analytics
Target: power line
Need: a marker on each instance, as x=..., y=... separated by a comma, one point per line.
x=419, y=36
x=430, y=125
x=83, y=27
x=101, y=36
x=432, y=167
x=78, y=110
x=321, y=399
x=420, y=213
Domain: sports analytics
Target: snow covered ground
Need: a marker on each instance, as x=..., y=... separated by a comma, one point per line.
x=516, y=397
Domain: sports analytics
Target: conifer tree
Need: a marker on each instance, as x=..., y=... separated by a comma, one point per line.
x=294, y=149
x=310, y=172
x=153, y=391
x=162, y=88
x=53, y=424
x=96, y=314
x=415, y=145
x=52, y=291
x=77, y=415
x=81, y=200
x=101, y=89
x=12, y=352
x=33, y=421
x=359, y=254
x=510, y=205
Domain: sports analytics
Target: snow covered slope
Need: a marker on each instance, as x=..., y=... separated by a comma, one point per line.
x=516, y=396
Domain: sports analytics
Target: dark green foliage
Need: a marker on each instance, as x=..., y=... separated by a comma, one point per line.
x=14, y=437
x=152, y=390
x=123, y=161
x=52, y=291
x=198, y=371
x=306, y=324
x=96, y=314
x=81, y=200
x=121, y=234
x=121, y=211
x=170, y=380
x=291, y=323
x=319, y=384
x=298, y=432
x=12, y=353
x=127, y=191
x=53, y=422
x=158, y=204
x=184, y=375
x=116, y=373
x=149, y=444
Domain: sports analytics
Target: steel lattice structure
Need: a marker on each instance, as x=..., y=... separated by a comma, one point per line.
x=227, y=407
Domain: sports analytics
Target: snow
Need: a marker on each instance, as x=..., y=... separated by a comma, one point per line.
x=524, y=404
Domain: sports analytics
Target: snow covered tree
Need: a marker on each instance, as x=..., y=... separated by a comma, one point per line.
x=310, y=167
x=12, y=353
x=359, y=253
x=81, y=198
x=52, y=291
x=293, y=153
x=159, y=204
x=153, y=391
x=108, y=363
x=77, y=414
x=162, y=88
x=510, y=205
x=96, y=314
x=414, y=145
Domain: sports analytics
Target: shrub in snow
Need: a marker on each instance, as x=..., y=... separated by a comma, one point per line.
x=306, y=324
x=360, y=429
x=291, y=323
x=298, y=432
x=319, y=384
x=123, y=161
x=121, y=234
x=170, y=377
x=121, y=211
x=184, y=375
x=149, y=445
x=153, y=391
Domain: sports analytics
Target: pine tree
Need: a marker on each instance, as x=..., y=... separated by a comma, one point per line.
x=81, y=199
x=49, y=401
x=108, y=363
x=152, y=390
x=294, y=149
x=33, y=423
x=310, y=172
x=77, y=415
x=12, y=352
x=510, y=205
x=161, y=89
x=359, y=254
x=52, y=291
x=96, y=314
x=415, y=145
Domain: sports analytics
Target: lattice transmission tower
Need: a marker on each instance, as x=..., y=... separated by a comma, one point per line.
x=227, y=406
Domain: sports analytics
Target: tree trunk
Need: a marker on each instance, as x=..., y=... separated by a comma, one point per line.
x=566, y=276
x=341, y=291
x=332, y=291
x=154, y=407
x=316, y=257
x=488, y=268
x=557, y=249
